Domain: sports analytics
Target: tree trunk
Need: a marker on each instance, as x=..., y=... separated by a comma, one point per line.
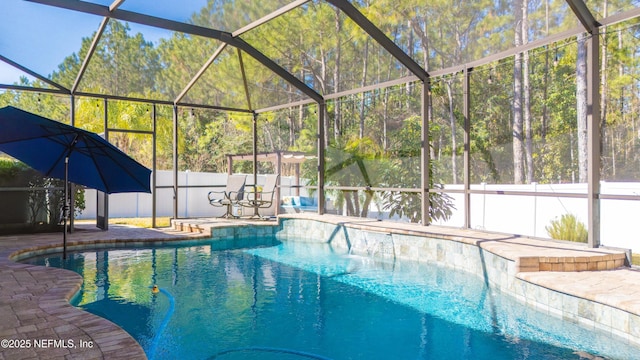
x=621, y=104
x=322, y=79
x=368, y=196
x=621, y=74
x=581, y=107
x=545, y=91
x=363, y=82
x=291, y=123
x=518, y=156
x=385, y=119
x=526, y=96
x=454, y=140
x=603, y=69
x=385, y=111
x=336, y=77
x=269, y=136
x=349, y=202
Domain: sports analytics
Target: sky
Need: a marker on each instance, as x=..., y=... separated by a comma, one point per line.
x=39, y=37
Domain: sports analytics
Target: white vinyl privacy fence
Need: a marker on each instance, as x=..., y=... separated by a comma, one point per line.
x=192, y=196
x=513, y=214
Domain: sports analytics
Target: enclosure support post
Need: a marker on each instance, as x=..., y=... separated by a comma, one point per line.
x=467, y=148
x=278, y=193
x=72, y=202
x=321, y=135
x=102, y=201
x=154, y=175
x=297, y=179
x=175, y=161
x=426, y=116
x=65, y=209
x=593, y=138
x=254, y=131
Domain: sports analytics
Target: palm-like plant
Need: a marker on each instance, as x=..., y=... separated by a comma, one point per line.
x=568, y=227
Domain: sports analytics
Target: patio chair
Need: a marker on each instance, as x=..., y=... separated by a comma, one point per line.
x=230, y=196
x=262, y=199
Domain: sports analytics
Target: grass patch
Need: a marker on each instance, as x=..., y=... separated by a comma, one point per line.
x=635, y=259
x=141, y=222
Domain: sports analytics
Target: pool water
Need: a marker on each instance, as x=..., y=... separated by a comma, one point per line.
x=296, y=300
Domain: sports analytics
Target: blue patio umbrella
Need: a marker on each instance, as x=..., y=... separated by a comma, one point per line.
x=66, y=152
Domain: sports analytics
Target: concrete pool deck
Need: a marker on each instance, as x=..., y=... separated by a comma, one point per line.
x=39, y=323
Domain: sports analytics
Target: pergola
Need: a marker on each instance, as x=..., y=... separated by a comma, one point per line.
x=277, y=158
x=154, y=16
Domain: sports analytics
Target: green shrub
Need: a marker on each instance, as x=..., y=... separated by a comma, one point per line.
x=567, y=228
x=32, y=205
x=14, y=173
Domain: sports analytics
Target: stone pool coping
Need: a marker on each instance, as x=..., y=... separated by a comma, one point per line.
x=34, y=301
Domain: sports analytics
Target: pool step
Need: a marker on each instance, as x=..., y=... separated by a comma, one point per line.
x=190, y=227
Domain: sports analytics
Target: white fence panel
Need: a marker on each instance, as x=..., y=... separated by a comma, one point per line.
x=523, y=215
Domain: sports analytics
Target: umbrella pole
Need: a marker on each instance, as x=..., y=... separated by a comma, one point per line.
x=65, y=208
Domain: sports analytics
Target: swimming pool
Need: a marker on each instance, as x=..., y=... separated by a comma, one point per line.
x=294, y=300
